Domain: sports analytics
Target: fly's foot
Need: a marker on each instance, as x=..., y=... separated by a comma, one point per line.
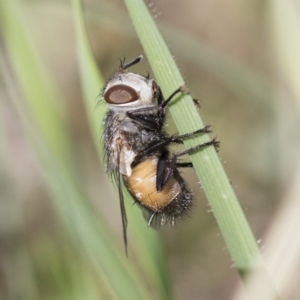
x=207, y=129
x=216, y=143
x=184, y=89
x=197, y=103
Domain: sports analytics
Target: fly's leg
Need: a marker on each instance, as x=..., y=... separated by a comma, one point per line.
x=181, y=89
x=174, y=139
x=161, y=176
x=197, y=103
x=213, y=142
x=161, y=169
x=150, y=117
x=141, y=115
x=153, y=117
x=184, y=165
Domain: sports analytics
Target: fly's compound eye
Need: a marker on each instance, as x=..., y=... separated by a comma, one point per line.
x=120, y=94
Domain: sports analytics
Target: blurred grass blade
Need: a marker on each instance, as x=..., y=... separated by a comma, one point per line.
x=149, y=252
x=36, y=84
x=281, y=246
x=229, y=215
x=46, y=129
x=91, y=79
x=249, y=83
x=285, y=22
x=240, y=78
x=16, y=270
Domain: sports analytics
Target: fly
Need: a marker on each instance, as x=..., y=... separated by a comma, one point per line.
x=136, y=146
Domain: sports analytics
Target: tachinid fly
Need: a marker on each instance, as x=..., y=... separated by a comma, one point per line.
x=136, y=146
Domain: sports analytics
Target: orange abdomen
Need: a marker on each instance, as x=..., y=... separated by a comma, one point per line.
x=142, y=185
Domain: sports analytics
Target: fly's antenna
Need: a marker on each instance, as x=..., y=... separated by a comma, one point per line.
x=124, y=66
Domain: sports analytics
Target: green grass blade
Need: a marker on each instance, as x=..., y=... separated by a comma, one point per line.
x=234, y=227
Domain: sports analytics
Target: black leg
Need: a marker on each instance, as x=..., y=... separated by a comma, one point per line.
x=205, y=129
x=151, y=117
x=140, y=111
x=161, y=170
x=165, y=102
x=213, y=142
x=155, y=114
x=147, y=121
x=197, y=103
x=184, y=165
x=175, y=139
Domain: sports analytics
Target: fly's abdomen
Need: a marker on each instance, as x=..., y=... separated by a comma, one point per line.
x=170, y=202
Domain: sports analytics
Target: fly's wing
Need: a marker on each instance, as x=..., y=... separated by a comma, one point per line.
x=121, y=199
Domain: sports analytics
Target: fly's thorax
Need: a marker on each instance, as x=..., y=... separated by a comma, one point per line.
x=118, y=120
x=129, y=90
x=124, y=138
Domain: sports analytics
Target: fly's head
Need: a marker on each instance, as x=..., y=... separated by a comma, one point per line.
x=129, y=90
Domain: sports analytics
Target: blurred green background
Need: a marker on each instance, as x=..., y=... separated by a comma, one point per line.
x=60, y=225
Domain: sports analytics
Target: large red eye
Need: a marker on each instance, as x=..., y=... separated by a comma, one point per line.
x=120, y=94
